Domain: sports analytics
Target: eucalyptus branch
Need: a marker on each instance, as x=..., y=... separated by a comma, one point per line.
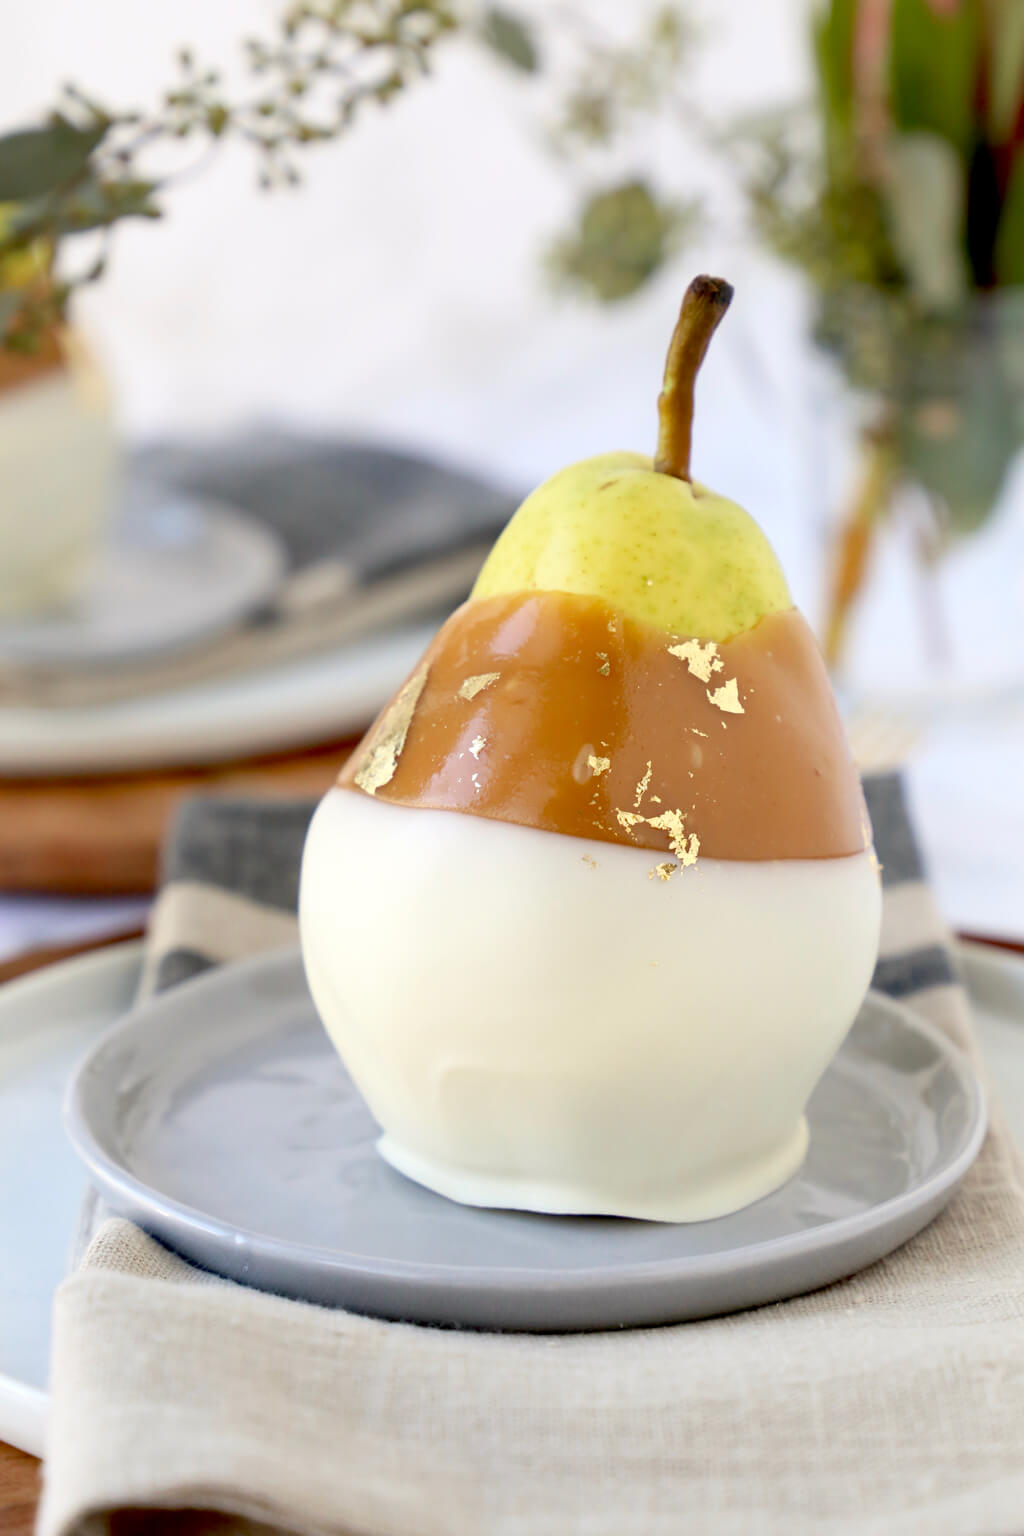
x=614, y=83
x=88, y=168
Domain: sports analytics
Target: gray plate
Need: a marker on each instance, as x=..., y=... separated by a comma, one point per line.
x=174, y=572
x=219, y=1118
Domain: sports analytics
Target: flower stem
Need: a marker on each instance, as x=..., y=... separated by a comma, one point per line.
x=856, y=536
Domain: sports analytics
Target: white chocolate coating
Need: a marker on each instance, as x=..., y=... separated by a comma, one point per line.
x=537, y=1023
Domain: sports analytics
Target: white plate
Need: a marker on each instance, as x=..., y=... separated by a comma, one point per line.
x=170, y=575
x=49, y=1020
x=320, y=698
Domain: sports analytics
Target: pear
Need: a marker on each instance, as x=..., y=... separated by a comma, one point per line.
x=640, y=533
x=594, y=903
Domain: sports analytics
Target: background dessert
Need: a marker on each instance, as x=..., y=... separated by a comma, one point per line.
x=58, y=468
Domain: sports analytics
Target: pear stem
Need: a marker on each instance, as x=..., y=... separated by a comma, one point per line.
x=704, y=303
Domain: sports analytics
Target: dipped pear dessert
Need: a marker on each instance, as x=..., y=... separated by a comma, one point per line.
x=593, y=904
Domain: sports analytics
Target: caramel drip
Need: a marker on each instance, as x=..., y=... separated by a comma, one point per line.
x=596, y=726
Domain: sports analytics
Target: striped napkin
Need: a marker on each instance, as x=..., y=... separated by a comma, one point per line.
x=889, y=1403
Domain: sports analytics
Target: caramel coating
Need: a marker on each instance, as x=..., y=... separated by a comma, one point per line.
x=556, y=712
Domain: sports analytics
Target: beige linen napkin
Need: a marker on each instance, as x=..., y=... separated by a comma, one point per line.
x=890, y=1403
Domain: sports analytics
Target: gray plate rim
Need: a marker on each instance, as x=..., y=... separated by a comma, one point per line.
x=112, y=1176
x=19, y=637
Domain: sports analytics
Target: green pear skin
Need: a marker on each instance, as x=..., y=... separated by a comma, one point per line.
x=661, y=550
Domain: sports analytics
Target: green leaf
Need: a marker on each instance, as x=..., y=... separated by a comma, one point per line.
x=1006, y=67
x=25, y=220
x=1009, y=252
x=35, y=161
x=510, y=37
x=862, y=327
x=925, y=202
x=935, y=57
x=90, y=205
x=625, y=235
x=960, y=427
x=1009, y=330
x=834, y=26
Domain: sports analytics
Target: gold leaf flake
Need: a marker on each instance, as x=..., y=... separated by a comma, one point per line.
x=476, y=684
x=672, y=822
x=643, y=786
x=662, y=872
x=588, y=765
x=695, y=731
x=604, y=668
x=727, y=698
x=477, y=745
x=702, y=660
x=685, y=847
x=589, y=859
x=385, y=745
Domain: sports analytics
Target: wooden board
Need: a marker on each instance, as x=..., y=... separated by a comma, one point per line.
x=19, y=1492
x=91, y=837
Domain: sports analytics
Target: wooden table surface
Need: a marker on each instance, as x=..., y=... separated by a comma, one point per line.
x=19, y=1474
x=102, y=836
x=19, y=1491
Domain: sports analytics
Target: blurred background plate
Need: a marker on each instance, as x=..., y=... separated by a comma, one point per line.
x=315, y=699
x=171, y=575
